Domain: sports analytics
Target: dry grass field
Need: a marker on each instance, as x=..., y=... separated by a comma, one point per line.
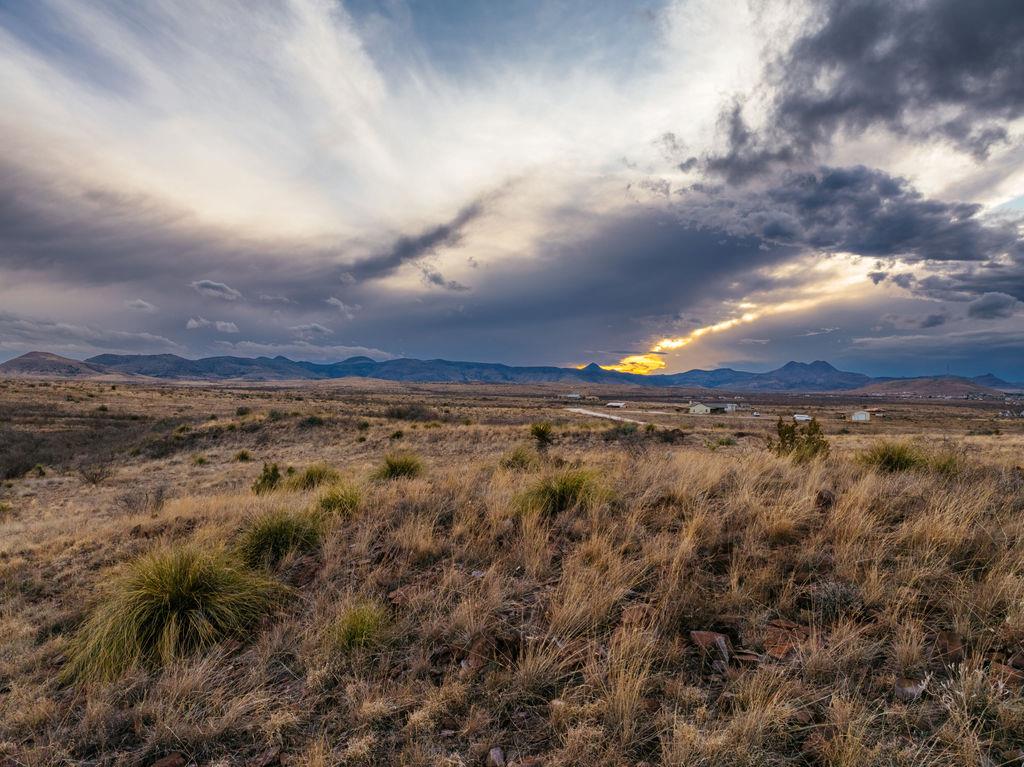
x=426, y=580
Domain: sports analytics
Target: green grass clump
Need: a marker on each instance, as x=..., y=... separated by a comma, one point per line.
x=341, y=499
x=168, y=604
x=398, y=466
x=561, y=492
x=894, y=456
x=312, y=477
x=243, y=456
x=271, y=536
x=359, y=625
x=268, y=480
x=520, y=459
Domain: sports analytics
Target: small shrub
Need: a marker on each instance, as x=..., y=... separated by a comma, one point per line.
x=102, y=409
x=543, y=434
x=312, y=477
x=397, y=434
x=621, y=431
x=359, y=625
x=520, y=459
x=398, y=466
x=894, y=456
x=6, y=511
x=95, y=473
x=413, y=411
x=560, y=492
x=801, y=442
x=271, y=536
x=363, y=425
x=268, y=480
x=199, y=460
x=341, y=499
x=242, y=411
x=311, y=421
x=243, y=456
x=168, y=604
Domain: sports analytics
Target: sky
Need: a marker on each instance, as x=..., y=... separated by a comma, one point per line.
x=654, y=186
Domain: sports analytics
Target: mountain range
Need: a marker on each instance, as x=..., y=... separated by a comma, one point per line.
x=818, y=376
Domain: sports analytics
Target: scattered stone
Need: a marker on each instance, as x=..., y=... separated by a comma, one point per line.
x=746, y=657
x=495, y=757
x=173, y=759
x=908, y=690
x=783, y=636
x=949, y=647
x=1008, y=676
x=711, y=642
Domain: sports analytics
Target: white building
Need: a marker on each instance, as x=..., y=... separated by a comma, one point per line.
x=861, y=416
x=615, y=404
x=699, y=408
x=801, y=417
x=574, y=395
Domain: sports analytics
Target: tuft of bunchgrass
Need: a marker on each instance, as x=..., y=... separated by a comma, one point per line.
x=894, y=456
x=359, y=625
x=520, y=459
x=312, y=477
x=271, y=536
x=399, y=466
x=340, y=499
x=562, y=491
x=168, y=604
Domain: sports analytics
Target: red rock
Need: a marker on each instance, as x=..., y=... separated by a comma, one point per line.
x=1008, y=676
x=711, y=642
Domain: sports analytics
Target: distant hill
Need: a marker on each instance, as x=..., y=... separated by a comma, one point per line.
x=817, y=376
x=46, y=365
x=994, y=382
x=936, y=386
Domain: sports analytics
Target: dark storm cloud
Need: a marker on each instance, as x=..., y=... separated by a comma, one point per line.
x=922, y=68
x=410, y=249
x=992, y=306
x=868, y=212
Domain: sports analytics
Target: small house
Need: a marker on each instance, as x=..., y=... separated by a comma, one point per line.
x=800, y=417
x=699, y=408
x=574, y=395
x=730, y=407
x=615, y=404
x=860, y=416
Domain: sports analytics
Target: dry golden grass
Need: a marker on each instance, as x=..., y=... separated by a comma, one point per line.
x=540, y=602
